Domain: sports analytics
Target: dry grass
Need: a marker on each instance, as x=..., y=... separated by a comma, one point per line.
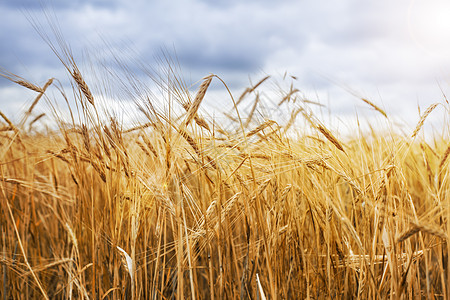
x=169, y=209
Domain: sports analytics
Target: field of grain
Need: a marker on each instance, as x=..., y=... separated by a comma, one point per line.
x=179, y=206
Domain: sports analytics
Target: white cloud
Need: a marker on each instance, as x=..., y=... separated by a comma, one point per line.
x=391, y=52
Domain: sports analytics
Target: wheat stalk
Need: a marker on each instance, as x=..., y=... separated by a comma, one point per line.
x=288, y=96
x=292, y=119
x=250, y=90
x=40, y=116
x=47, y=84
x=11, y=125
x=252, y=111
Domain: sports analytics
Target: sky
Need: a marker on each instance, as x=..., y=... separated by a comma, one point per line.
x=394, y=53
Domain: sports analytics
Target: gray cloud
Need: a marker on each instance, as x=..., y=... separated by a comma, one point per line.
x=368, y=47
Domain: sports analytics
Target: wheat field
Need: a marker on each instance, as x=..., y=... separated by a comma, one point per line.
x=179, y=206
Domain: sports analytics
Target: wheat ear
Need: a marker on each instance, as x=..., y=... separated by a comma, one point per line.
x=330, y=137
x=377, y=108
x=423, y=117
x=198, y=99
x=83, y=86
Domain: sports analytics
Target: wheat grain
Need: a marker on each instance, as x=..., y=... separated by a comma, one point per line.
x=252, y=111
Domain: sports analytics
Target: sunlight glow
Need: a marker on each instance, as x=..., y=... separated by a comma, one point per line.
x=429, y=26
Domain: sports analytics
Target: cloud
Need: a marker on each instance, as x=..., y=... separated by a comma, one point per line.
x=373, y=48
x=55, y=4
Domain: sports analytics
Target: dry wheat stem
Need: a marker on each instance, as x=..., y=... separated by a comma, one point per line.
x=288, y=96
x=36, y=119
x=250, y=90
x=38, y=282
x=291, y=121
x=11, y=125
x=139, y=127
x=252, y=111
x=47, y=84
x=258, y=84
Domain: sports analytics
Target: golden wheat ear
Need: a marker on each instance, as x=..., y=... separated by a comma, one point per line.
x=82, y=85
x=423, y=118
x=192, y=110
x=330, y=137
x=20, y=81
x=376, y=107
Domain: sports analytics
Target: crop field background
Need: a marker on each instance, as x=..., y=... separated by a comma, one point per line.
x=181, y=207
x=179, y=204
